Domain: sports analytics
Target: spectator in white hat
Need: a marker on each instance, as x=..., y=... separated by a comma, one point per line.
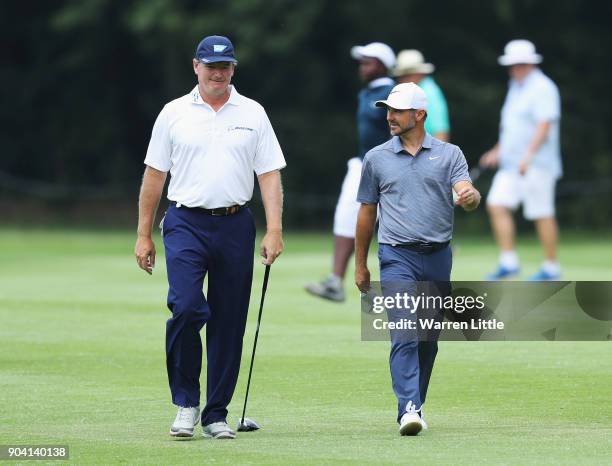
x=375, y=63
x=528, y=159
x=411, y=67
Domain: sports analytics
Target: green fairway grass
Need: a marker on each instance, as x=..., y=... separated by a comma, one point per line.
x=82, y=364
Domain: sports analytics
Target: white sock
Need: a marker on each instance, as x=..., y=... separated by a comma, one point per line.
x=509, y=259
x=335, y=279
x=551, y=267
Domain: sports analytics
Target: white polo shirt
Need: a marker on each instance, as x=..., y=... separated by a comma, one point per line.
x=212, y=155
x=528, y=103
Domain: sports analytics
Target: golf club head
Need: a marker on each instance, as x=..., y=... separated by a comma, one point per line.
x=247, y=425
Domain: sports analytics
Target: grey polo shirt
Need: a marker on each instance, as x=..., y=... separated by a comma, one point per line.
x=414, y=193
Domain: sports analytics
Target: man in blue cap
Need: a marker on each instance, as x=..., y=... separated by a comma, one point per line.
x=211, y=141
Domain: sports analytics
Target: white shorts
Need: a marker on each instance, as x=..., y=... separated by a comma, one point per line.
x=535, y=190
x=345, y=217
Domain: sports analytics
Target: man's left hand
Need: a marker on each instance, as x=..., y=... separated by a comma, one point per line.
x=271, y=246
x=468, y=198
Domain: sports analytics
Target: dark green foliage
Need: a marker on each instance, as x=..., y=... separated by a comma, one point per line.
x=82, y=82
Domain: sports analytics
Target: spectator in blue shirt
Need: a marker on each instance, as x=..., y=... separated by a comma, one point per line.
x=375, y=62
x=528, y=159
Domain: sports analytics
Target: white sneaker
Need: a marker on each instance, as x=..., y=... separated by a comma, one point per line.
x=186, y=420
x=218, y=430
x=410, y=424
x=423, y=423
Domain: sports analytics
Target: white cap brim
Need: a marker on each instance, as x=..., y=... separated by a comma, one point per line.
x=509, y=60
x=382, y=52
x=423, y=68
x=357, y=52
x=395, y=105
x=384, y=103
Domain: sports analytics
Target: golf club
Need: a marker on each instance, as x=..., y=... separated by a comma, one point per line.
x=246, y=424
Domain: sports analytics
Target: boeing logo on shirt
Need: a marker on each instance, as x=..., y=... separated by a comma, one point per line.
x=239, y=128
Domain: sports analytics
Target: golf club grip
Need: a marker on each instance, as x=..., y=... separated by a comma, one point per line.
x=264, y=287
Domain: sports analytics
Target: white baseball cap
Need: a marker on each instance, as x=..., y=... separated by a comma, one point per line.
x=378, y=50
x=405, y=96
x=519, y=51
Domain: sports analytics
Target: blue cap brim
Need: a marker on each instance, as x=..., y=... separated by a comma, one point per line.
x=217, y=59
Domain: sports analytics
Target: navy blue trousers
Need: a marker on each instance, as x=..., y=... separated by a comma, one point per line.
x=222, y=247
x=412, y=355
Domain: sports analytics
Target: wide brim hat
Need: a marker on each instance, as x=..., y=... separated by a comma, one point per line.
x=519, y=52
x=411, y=62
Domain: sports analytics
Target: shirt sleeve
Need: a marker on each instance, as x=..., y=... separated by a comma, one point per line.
x=459, y=168
x=437, y=114
x=160, y=145
x=268, y=155
x=368, y=192
x=547, y=105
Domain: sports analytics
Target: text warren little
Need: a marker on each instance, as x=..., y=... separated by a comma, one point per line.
x=433, y=324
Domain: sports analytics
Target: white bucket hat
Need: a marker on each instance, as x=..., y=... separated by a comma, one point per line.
x=519, y=52
x=405, y=96
x=411, y=62
x=378, y=50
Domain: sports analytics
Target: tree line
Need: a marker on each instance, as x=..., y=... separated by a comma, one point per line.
x=82, y=83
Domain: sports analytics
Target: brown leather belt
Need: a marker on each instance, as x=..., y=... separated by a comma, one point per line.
x=218, y=212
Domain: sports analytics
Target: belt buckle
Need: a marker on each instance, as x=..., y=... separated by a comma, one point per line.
x=427, y=248
x=222, y=214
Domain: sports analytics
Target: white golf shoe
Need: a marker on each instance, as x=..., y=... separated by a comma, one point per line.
x=218, y=430
x=423, y=423
x=186, y=420
x=410, y=424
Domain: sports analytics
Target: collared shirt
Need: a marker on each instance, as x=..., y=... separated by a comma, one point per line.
x=371, y=120
x=414, y=193
x=212, y=155
x=437, y=110
x=528, y=103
